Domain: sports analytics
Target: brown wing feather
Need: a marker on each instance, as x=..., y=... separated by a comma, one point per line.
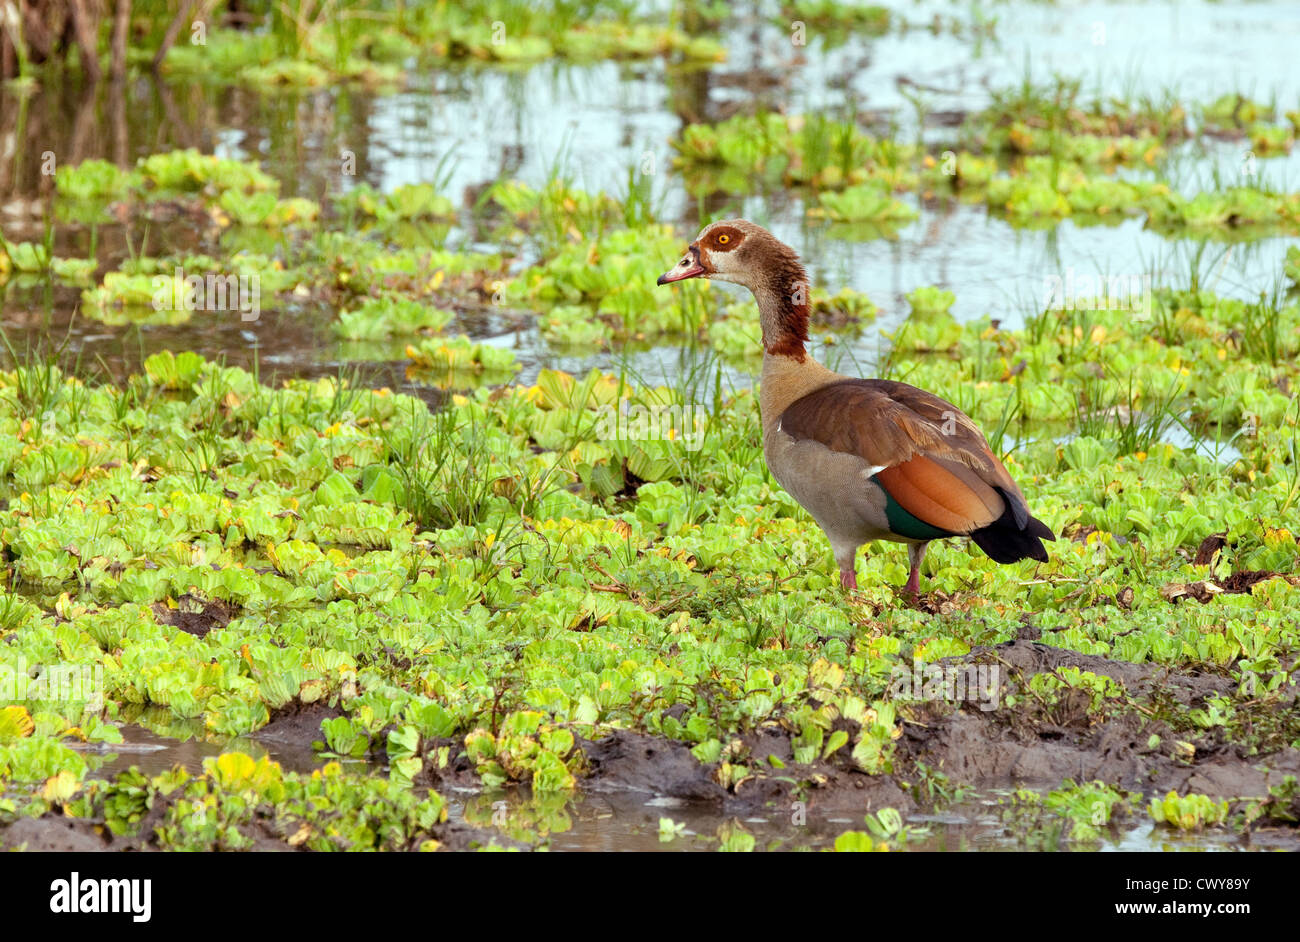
x=937, y=465
x=976, y=486
x=935, y=495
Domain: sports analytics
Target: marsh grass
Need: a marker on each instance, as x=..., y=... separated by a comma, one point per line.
x=295, y=25
x=561, y=219
x=1073, y=333
x=1029, y=99
x=997, y=434
x=201, y=455
x=1062, y=106
x=1112, y=408
x=638, y=202
x=523, y=17
x=14, y=610
x=41, y=372
x=1263, y=335
x=442, y=462
x=703, y=385
x=826, y=143
x=1208, y=437
x=451, y=473
x=1292, y=461
x=350, y=386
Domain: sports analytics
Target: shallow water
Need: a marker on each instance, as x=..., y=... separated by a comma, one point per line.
x=630, y=821
x=626, y=823
x=597, y=120
x=154, y=754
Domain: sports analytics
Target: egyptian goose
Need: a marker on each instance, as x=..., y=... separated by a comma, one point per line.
x=870, y=459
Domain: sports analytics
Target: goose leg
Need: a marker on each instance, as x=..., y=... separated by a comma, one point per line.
x=915, y=553
x=845, y=554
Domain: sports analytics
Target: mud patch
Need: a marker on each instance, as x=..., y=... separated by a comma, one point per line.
x=631, y=761
x=1245, y=581
x=458, y=772
x=1025, y=745
x=662, y=768
x=296, y=724
x=52, y=834
x=1026, y=658
x=195, y=615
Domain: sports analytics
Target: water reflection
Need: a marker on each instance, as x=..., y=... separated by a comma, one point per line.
x=598, y=119
x=631, y=821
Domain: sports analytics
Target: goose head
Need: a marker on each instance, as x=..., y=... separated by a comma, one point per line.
x=733, y=250
x=744, y=254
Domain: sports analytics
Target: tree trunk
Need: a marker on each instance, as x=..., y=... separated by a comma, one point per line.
x=121, y=27
x=84, y=24
x=174, y=28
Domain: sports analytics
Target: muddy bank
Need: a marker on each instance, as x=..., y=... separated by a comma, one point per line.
x=297, y=725
x=55, y=833
x=1139, y=739
x=1024, y=742
x=1038, y=745
x=660, y=768
x=1031, y=743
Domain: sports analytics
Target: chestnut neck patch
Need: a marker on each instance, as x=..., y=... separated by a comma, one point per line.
x=788, y=296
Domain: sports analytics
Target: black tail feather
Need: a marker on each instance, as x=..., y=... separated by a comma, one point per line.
x=1005, y=542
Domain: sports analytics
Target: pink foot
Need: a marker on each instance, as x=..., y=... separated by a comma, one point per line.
x=848, y=580
x=913, y=587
